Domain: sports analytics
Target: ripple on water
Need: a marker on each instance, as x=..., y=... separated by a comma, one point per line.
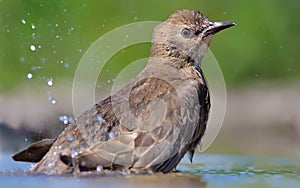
x=213, y=170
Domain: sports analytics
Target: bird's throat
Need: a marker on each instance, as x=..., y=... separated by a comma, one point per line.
x=173, y=55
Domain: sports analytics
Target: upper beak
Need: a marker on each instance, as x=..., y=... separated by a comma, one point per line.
x=215, y=27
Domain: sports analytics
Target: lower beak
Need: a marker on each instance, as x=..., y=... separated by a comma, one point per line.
x=215, y=27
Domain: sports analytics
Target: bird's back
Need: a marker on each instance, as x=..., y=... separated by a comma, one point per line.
x=161, y=119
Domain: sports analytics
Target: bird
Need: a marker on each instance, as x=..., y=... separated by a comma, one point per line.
x=151, y=123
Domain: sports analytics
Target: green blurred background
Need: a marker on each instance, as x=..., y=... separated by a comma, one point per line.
x=262, y=48
x=264, y=45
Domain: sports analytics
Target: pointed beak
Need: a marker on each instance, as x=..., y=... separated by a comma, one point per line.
x=215, y=27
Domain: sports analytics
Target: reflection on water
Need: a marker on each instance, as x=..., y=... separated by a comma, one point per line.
x=207, y=171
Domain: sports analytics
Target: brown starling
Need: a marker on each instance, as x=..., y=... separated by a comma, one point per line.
x=149, y=124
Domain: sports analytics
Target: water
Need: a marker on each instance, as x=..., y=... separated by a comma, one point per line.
x=32, y=47
x=29, y=75
x=209, y=171
x=50, y=82
x=64, y=119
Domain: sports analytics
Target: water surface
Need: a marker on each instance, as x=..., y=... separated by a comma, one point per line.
x=208, y=170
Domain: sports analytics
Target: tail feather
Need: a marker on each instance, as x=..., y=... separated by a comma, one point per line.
x=35, y=152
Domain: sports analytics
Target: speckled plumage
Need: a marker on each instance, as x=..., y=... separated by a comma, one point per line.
x=153, y=121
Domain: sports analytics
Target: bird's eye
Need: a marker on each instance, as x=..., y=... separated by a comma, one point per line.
x=185, y=32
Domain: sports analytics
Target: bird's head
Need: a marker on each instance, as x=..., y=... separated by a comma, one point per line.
x=189, y=32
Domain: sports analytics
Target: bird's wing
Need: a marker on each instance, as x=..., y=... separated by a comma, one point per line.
x=152, y=128
x=204, y=102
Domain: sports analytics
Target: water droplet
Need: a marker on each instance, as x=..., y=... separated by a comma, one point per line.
x=126, y=171
x=108, y=81
x=126, y=36
x=74, y=154
x=70, y=138
x=23, y=21
x=39, y=46
x=50, y=82
x=65, y=10
x=29, y=75
x=64, y=119
x=72, y=28
x=32, y=26
x=52, y=100
x=34, y=68
x=281, y=46
x=71, y=120
x=99, y=168
x=256, y=75
x=25, y=139
x=106, y=130
x=66, y=65
x=32, y=47
x=80, y=50
x=44, y=60
x=82, y=163
x=111, y=135
x=135, y=18
x=22, y=59
x=56, y=25
x=148, y=171
x=60, y=61
x=99, y=118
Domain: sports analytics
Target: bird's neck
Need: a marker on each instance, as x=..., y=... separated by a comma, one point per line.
x=174, y=56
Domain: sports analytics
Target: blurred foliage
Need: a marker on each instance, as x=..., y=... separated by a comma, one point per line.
x=263, y=47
